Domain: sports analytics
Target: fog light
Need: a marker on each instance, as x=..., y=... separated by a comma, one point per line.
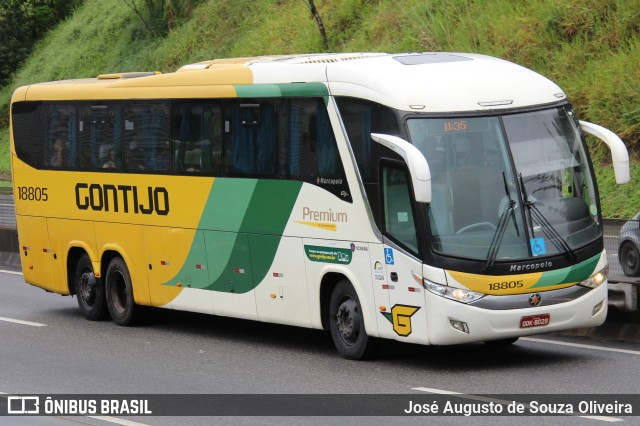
x=596, y=309
x=459, y=325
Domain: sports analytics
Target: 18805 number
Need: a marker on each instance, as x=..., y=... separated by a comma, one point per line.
x=32, y=193
x=506, y=285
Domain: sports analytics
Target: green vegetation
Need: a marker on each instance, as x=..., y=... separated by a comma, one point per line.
x=591, y=48
x=22, y=23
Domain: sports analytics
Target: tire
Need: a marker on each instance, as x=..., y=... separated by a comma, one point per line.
x=119, y=292
x=629, y=259
x=346, y=322
x=89, y=291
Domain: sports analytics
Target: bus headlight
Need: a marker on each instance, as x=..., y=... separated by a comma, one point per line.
x=596, y=279
x=453, y=293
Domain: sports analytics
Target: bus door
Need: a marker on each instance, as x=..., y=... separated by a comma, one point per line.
x=403, y=268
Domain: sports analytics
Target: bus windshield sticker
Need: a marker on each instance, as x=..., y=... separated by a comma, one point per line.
x=538, y=247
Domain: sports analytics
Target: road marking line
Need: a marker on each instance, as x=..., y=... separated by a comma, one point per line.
x=503, y=402
x=117, y=421
x=10, y=272
x=17, y=321
x=580, y=345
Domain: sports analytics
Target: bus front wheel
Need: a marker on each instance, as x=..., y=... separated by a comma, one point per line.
x=89, y=291
x=119, y=292
x=346, y=322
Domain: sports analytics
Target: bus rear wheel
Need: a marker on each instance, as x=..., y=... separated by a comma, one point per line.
x=346, y=322
x=89, y=290
x=119, y=292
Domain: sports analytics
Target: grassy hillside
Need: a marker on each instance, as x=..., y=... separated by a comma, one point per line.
x=591, y=48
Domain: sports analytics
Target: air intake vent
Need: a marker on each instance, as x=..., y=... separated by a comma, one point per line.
x=330, y=60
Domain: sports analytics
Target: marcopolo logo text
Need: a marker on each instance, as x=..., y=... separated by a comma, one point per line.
x=531, y=266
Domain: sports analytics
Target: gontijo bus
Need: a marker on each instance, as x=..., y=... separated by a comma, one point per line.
x=433, y=198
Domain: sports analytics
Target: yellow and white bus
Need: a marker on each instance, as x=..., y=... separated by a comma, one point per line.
x=434, y=198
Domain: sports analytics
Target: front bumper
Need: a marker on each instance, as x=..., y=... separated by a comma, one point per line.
x=494, y=324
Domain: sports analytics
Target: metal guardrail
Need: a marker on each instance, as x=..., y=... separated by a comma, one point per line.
x=7, y=212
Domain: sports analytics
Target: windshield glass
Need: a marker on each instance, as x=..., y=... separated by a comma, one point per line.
x=484, y=208
x=548, y=153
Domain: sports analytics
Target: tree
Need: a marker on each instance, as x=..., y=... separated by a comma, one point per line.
x=22, y=24
x=316, y=15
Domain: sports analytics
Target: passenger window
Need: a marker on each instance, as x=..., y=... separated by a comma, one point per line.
x=99, y=130
x=311, y=152
x=27, y=125
x=361, y=118
x=197, y=138
x=398, y=209
x=252, y=139
x=60, y=137
x=146, y=137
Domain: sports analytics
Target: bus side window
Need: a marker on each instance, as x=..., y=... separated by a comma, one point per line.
x=251, y=147
x=197, y=138
x=398, y=209
x=302, y=141
x=146, y=141
x=361, y=118
x=99, y=130
x=28, y=131
x=311, y=149
x=60, y=139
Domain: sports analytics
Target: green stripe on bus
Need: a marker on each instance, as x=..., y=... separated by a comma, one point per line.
x=243, y=223
x=571, y=274
x=278, y=90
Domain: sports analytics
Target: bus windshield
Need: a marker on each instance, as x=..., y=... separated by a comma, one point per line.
x=508, y=187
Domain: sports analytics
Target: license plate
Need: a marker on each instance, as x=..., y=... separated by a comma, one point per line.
x=535, y=321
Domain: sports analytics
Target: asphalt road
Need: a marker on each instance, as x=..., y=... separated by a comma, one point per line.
x=179, y=353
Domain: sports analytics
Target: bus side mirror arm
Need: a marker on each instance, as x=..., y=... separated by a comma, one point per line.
x=416, y=163
x=619, y=154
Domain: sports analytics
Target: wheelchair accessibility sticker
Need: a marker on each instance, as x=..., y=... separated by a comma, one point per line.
x=538, y=247
x=388, y=256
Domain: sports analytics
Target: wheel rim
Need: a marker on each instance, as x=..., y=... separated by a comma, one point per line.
x=87, y=287
x=348, y=321
x=118, y=290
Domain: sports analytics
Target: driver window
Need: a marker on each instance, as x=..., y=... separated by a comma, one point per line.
x=398, y=210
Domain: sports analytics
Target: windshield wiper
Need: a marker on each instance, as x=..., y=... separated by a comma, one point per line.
x=547, y=228
x=494, y=247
